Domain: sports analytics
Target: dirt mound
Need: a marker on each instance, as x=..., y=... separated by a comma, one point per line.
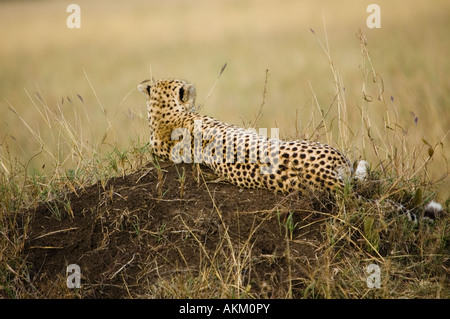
x=169, y=233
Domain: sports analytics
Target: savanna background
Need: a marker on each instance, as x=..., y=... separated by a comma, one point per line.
x=70, y=110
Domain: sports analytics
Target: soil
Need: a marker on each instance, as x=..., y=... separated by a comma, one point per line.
x=142, y=234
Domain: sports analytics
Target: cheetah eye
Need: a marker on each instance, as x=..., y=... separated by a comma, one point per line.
x=181, y=94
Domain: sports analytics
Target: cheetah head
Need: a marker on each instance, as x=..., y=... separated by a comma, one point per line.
x=169, y=93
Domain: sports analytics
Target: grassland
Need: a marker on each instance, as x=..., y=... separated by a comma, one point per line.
x=71, y=117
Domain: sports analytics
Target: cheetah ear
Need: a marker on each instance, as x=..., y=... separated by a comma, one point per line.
x=187, y=94
x=144, y=88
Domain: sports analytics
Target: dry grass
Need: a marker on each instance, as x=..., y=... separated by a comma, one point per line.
x=70, y=112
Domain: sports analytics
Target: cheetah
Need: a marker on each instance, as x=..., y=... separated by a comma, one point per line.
x=241, y=156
